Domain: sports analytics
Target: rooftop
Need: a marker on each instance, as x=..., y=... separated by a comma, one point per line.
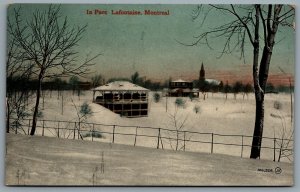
x=213, y=81
x=182, y=81
x=120, y=86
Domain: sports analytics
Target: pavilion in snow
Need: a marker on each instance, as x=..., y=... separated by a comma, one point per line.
x=181, y=88
x=123, y=97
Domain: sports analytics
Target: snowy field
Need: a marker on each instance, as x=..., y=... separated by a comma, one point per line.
x=53, y=161
x=216, y=115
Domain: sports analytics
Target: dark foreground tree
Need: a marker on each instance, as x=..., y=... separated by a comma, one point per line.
x=47, y=42
x=74, y=83
x=254, y=23
x=136, y=79
x=18, y=86
x=227, y=89
x=237, y=88
x=247, y=89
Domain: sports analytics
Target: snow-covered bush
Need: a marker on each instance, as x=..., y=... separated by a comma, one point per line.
x=85, y=110
x=93, y=133
x=156, y=97
x=197, y=109
x=179, y=102
x=277, y=105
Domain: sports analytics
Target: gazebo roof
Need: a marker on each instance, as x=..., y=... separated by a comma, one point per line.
x=181, y=81
x=120, y=86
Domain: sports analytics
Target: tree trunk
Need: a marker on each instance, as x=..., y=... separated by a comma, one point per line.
x=259, y=95
x=43, y=95
x=62, y=104
x=259, y=98
x=292, y=113
x=260, y=82
x=177, y=138
x=37, y=102
x=259, y=126
x=7, y=116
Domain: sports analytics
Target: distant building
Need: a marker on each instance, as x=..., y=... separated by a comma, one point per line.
x=204, y=83
x=84, y=85
x=123, y=97
x=213, y=81
x=181, y=88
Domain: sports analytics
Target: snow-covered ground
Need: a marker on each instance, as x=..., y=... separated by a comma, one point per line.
x=216, y=115
x=52, y=161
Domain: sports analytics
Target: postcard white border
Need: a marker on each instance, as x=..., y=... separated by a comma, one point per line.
x=3, y=188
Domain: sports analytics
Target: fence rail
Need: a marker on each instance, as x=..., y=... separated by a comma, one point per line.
x=177, y=140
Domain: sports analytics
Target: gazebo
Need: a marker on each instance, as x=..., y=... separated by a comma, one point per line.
x=123, y=97
x=181, y=88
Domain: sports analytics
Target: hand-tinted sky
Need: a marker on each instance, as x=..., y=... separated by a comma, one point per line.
x=149, y=44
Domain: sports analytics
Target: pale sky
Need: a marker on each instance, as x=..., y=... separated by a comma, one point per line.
x=147, y=44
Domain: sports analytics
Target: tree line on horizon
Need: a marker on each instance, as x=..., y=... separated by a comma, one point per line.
x=20, y=83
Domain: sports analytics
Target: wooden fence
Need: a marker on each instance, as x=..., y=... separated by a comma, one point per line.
x=161, y=138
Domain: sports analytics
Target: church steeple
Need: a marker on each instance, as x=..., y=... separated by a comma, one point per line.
x=202, y=73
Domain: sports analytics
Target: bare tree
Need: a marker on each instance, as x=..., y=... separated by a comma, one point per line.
x=285, y=142
x=244, y=24
x=291, y=92
x=247, y=89
x=17, y=90
x=136, y=79
x=97, y=80
x=83, y=113
x=47, y=42
x=177, y=122
x=237, y=88
x=227, y=89
x=74, y=82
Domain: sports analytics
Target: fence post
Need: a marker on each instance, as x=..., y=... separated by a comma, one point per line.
x=113, y=140
x=74, y=129
x=28, y=126
x=16, y=132
x=43, y=131
x=274, y=149
x=212, y=143
x=135, y=136
x=93, y=132
x=184, y=140
x=78, y=130
x=242, y=146
x=158, y=138
x=58, y=129
x=162, y=145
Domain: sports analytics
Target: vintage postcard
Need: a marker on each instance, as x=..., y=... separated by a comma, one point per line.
x=150, y=95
